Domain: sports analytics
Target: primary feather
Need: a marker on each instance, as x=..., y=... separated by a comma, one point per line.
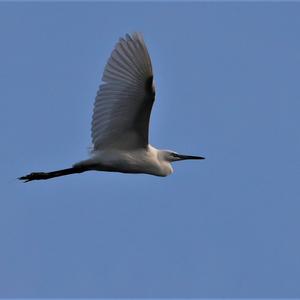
x=124, y=100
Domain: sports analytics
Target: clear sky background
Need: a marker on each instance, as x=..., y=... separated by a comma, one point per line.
x=227, y=80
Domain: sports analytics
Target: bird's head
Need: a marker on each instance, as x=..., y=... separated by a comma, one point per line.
x=171, y=156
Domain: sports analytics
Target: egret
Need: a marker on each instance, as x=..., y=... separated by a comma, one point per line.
x=121, y=116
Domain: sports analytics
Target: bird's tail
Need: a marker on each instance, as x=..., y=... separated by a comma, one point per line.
x=48, y=175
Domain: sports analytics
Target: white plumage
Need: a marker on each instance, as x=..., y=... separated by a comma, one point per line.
x=121, y=118
x=123, y=103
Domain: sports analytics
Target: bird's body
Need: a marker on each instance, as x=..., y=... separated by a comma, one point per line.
x=144, y=160
x=121, y=118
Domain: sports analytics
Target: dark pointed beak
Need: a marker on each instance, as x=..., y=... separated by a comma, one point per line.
x=182, y=157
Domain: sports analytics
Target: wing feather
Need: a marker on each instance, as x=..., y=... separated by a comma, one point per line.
x=124, y=100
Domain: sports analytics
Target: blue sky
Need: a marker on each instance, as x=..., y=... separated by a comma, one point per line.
x=227, y=81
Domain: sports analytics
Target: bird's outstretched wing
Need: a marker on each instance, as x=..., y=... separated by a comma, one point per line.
x=124, y=100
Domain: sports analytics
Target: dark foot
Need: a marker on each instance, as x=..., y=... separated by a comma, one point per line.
x=33, y=176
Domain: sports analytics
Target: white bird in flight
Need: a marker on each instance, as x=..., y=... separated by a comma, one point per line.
x=121, y=117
